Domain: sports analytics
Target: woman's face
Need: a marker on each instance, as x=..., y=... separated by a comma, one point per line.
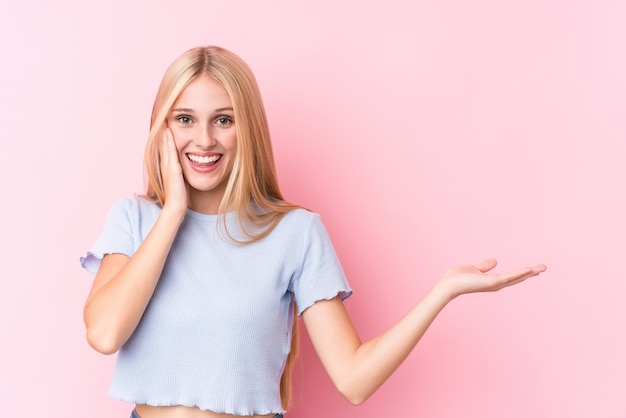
x=203, y=123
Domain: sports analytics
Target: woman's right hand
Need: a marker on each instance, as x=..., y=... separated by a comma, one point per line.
x=174, y=185
x=125, y=284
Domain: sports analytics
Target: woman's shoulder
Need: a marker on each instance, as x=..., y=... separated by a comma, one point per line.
x=299, y=216
x=140, y=202
x=302, y=220
x=135, y=207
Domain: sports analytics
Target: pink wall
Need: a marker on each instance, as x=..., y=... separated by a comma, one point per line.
x=427, y=134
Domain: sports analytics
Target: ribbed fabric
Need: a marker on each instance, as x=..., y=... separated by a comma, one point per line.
x=217, y=330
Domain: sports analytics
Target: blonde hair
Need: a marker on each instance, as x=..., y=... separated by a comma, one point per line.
x=252, y=190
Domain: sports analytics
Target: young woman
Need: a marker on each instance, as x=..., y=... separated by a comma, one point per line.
x=200, y=281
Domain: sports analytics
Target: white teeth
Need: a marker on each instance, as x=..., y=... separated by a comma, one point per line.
x=203, y=159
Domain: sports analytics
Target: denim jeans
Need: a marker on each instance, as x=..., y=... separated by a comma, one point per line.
x=134, y=414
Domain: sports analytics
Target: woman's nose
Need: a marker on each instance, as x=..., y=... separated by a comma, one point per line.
x=205, y=138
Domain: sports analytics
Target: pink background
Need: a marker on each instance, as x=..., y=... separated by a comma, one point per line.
x=427, y=134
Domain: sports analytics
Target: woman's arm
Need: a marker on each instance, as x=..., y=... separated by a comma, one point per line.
x=358, y=369
x=123, y=286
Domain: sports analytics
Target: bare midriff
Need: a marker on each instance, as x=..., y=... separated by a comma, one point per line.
x=148, y=411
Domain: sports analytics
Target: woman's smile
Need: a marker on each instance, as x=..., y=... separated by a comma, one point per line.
x=204, y=163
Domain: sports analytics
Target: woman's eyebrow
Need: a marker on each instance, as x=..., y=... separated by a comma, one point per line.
x=187, y=110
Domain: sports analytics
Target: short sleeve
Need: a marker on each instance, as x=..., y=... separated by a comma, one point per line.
x=320, y=276
x=117, y=237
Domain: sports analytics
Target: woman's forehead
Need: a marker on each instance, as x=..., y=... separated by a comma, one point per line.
x=203, y=93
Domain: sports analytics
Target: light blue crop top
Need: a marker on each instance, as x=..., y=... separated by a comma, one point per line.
x=217, y=330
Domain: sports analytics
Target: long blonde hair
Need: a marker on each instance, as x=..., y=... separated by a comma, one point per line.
x=252, y=190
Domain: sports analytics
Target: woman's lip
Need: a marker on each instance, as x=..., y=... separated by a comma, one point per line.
x=204, y=167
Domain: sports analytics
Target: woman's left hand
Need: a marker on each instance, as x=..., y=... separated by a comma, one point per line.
x=477, y=278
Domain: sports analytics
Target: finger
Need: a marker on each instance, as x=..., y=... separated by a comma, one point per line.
x=518, y=276
x=486, y=265
x=163, y=147
x=517, y=280
x=168, y=137
x=168, y=147
x=534, y=270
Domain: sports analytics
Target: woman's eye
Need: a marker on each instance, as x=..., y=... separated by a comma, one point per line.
x=224, y=121
x=185, y=120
